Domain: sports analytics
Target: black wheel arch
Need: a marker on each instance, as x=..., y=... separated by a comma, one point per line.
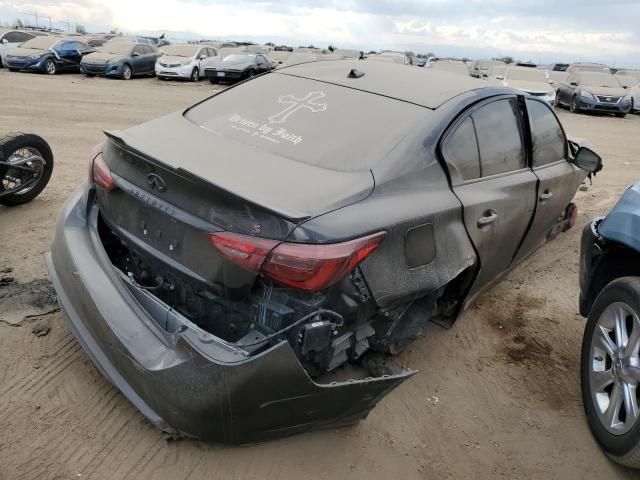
x=615, y=261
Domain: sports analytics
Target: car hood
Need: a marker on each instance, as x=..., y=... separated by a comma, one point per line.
x=230, y=66
x=531, y=87
x=279, y=184
x=25, y=52
x=173, y=59
x=622, y=224
x=103, y=57
x=613, y=91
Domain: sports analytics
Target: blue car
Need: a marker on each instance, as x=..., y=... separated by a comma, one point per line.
x=121, y=59
x=48, y=55
x=610, y=298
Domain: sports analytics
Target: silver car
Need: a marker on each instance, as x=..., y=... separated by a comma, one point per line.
x=186, y=61
x=10, y=39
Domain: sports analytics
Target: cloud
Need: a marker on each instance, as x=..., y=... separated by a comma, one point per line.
x=545, y=29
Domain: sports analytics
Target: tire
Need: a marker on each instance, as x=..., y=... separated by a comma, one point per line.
x=619, y=435
x=50, y=67
x=556, y=101
x=195, y=75
x=213, y=81
x=14, y=142
x=574, y=107
x=14, y=69
x=127, y=73
x=621, y=115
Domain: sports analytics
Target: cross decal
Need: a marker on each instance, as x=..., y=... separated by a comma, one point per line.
x=296, y=104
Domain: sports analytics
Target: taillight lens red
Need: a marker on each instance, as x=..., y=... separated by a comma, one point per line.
x=303, y=266
x=248, y=252
x=101, y=175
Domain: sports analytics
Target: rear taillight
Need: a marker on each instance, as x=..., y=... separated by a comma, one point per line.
x=101, y=175
x=248, y=252
x=303, y=266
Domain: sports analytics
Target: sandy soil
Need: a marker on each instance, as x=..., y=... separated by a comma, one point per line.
x=497, y=396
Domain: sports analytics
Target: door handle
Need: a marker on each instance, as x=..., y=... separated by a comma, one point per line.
x=487, y=218
x=546, y=195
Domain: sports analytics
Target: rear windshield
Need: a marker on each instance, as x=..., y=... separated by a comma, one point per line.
x=311, y=122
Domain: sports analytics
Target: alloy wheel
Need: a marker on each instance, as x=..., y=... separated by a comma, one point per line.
x=50, y=67
x=18, y=180
x=126, y=72
x=614, y=368
x=195, y=75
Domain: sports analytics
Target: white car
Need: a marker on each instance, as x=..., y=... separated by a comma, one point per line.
x=11, y=39
x=631, y=83
x=526, y=79
x=185, y=61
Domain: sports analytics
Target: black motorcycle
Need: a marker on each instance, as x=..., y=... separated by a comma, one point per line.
x=26, y=164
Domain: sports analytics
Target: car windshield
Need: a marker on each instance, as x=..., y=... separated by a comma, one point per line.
x=239, y=58
x=40, y=43
x=526, y=75
x=117, y=48
x=181, y=50
x=599, y=80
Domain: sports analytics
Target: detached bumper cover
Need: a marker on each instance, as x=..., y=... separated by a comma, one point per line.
x=189, y=382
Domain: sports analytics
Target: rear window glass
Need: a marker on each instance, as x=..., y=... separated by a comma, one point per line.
x=499, y=137
x=549, y=143
x=461, y=151
x=309, y=121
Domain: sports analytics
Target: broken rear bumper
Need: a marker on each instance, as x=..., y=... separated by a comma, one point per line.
x=188, y=382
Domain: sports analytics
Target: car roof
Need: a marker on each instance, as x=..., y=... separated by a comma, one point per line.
x=429, y=89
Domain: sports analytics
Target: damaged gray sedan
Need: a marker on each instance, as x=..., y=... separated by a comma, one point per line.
x=226, y=264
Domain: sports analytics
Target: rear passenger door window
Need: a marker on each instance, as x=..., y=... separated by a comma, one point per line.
x=499, y=137
x=461, y=151
x=548, y=140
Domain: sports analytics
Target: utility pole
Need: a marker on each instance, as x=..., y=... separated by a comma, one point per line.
x=35, y=14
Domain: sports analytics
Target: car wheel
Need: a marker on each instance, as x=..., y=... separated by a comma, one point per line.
x=26, y=150
x=574, y=108
x=50, y=67
x=126, y=72
x=195, y=74
x=213, y=81
x=13, y=69
x=621, y=115
x=610, y=370
x=556, y=101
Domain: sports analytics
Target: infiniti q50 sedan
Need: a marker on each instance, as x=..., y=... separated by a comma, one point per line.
x=225, y=263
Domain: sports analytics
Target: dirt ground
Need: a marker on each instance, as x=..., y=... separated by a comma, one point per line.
x=497, y=395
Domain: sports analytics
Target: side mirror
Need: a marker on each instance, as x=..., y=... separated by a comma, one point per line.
x=626, y=87
x=500, y=77
x=588, y=160
x=135, y=54
x=4, y=40
x=203, y=57
x=574, y=84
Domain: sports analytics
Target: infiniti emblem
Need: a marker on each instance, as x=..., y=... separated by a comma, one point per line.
x=156, y=182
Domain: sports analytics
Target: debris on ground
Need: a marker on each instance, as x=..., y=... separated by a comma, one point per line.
x=40, y=330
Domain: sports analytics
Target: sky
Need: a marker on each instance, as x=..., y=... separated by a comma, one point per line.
x=543, y=31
